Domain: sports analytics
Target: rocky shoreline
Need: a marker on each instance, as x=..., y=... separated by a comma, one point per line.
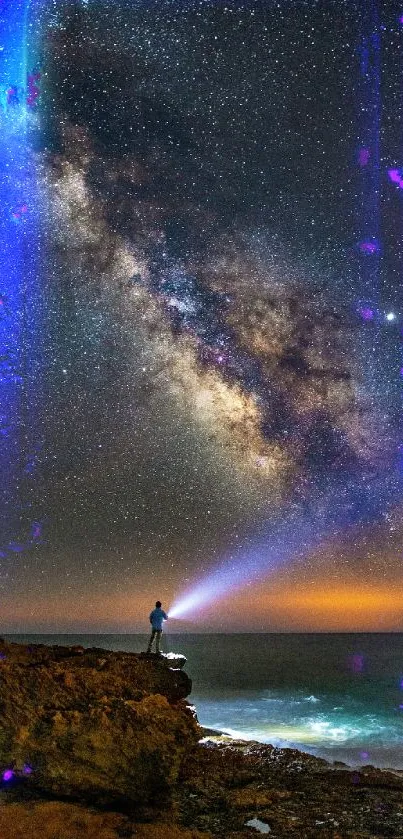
x=97, y=744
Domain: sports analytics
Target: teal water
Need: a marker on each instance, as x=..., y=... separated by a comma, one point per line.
x=335, y=696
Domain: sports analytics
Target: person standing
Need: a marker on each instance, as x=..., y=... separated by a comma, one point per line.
x=157, y=616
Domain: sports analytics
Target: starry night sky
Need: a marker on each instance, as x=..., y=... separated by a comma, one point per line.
x=206, y=370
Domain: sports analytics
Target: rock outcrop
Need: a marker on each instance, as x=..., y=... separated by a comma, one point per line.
x=92, y=724
x=104, y=731
x=238, y=790
x=58, y=820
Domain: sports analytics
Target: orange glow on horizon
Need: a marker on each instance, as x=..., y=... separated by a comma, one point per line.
x=127, y=611
x=339, y=607
x=286, y=605
x=343, y=598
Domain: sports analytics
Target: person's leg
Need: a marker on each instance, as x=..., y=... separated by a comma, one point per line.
x=158, y=640
x=150, y=643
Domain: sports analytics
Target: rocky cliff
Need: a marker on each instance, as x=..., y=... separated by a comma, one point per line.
x=94, y=725
x=102, y=745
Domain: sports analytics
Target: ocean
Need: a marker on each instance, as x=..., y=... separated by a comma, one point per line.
x=337, y=696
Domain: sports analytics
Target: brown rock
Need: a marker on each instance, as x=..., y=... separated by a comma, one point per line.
x=56, y=820
x=119, y=733
x=225, y=785
x=168, y=831
x=112, y=729
x=252, y=797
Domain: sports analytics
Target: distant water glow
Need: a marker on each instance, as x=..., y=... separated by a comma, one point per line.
x=337, y=727
x=314, y=731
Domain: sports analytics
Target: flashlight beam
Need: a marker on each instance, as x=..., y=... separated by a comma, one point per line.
x=293, y=538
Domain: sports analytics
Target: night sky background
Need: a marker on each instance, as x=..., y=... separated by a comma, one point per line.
x=206, y=370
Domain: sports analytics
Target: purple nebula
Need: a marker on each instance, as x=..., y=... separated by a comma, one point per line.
x=364, y=156
x=366, y=313
x=369, y=247
x=396, y=176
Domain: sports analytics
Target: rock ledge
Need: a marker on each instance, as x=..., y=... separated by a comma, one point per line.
x=93, y=724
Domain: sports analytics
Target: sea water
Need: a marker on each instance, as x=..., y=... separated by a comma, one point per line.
x=337, y=696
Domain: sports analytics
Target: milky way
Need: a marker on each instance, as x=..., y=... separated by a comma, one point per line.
x=207, y=358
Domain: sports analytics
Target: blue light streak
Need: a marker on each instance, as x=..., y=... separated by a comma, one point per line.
x=352, y=504
x=290, y=540
x=20, y=356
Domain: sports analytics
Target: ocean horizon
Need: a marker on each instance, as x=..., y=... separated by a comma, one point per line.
x=123, y=633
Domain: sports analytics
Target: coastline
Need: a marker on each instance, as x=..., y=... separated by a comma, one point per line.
x=216, y=736
x=230, y=790
x=289, y=691
x=102, y=743
x=297, y=794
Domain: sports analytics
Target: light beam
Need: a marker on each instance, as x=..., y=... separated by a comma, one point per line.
x=293, y=538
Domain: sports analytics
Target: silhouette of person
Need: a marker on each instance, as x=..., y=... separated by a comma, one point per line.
x=157, y=616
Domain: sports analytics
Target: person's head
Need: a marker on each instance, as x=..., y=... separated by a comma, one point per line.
x=158, y=604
